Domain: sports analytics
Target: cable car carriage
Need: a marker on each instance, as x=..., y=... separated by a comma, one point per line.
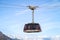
x=32, y=27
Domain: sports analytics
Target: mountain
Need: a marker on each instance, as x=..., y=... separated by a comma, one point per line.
x=46, y=38
x=16, y=39
x=4, y=37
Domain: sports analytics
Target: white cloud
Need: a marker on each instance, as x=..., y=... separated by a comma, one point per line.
x=56, y=37
x=50, y=25
x=35, y=38
x=11, y=35
x=21, y=12
x=41, y=7
x=50, y=5
x=43, y=36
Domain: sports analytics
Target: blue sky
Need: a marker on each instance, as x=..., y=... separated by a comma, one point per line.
x=14, y=15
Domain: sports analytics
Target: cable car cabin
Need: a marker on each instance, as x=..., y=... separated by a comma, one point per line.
x=32, y=27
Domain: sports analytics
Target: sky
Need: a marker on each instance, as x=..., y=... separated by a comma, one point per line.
x=14, y=15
